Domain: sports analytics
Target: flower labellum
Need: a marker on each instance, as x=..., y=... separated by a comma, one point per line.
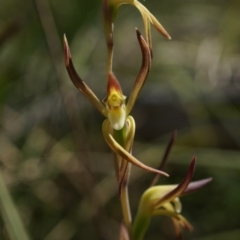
x=115, y=103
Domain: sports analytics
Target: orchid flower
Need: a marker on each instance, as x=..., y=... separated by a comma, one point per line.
x=164, y=200
x=119, y=127
x=110, y=8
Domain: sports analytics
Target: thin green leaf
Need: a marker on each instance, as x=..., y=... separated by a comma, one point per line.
x=10, y=214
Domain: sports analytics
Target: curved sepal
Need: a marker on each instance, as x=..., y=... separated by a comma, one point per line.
x=196, y=185
x=146, y=14
x=78, y=82
x=122, y=152
x=143, y=73
x=165, y=157
x=179, y=189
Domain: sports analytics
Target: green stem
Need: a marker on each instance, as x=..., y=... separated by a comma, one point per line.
x=126, y=211
x=140, y=226
x=120, y=137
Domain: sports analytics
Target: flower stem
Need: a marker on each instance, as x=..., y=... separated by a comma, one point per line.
x=120, y=137
x=124, y=198
x=140, y=226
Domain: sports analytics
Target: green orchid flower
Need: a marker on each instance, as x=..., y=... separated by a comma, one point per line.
x=110, y=8
x=119, y=127
x=164, y=200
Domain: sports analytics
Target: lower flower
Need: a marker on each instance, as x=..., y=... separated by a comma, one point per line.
x=164, y=200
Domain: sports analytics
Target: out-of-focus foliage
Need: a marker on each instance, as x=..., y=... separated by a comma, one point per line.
x=53, y=158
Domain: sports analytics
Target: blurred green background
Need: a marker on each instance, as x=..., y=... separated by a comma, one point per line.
x=53, y=157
